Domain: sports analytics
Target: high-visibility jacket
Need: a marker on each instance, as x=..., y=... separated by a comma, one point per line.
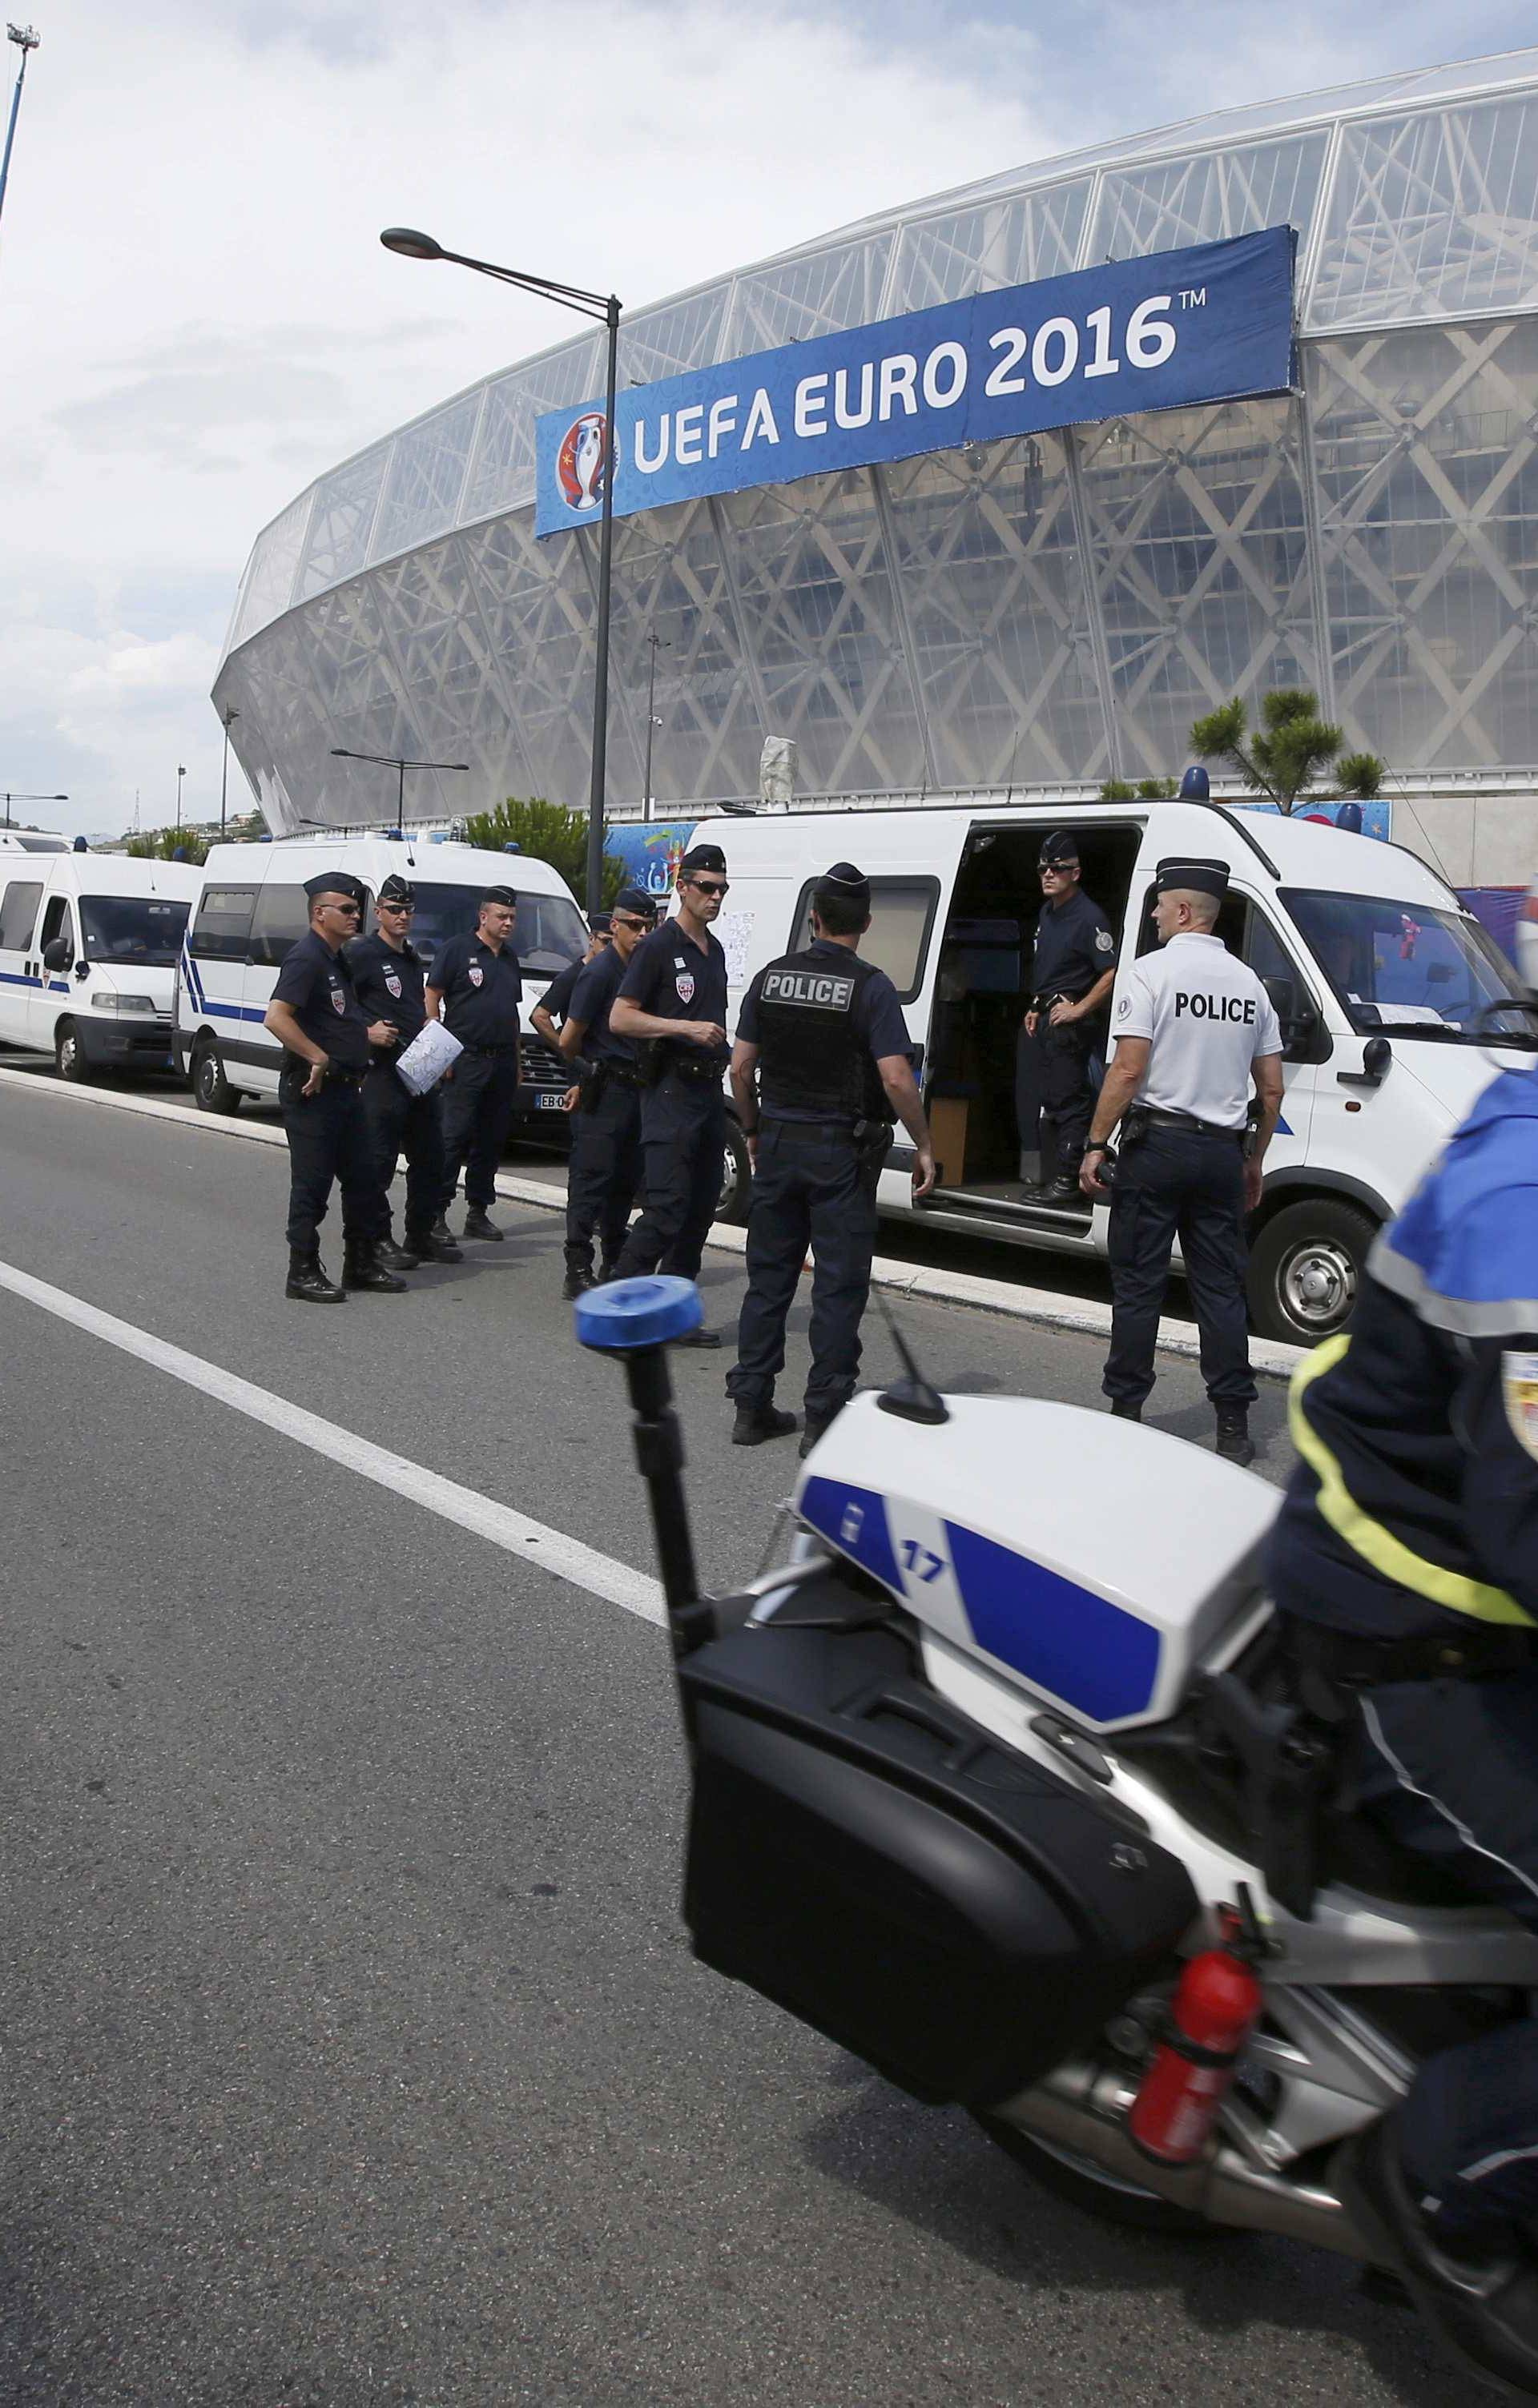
x=1414, y=1508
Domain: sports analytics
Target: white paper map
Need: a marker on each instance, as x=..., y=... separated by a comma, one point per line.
x=732, y=931
x=431, y=1052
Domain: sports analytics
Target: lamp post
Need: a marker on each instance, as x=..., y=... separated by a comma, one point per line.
x=26, y=41
x=10, y=799
x=225, y=774
x=182, y=771
x=652, y=722
x=410, y=244
x=393, y=761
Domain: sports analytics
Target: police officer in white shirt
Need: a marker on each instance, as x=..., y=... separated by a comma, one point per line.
x=1193, y=1029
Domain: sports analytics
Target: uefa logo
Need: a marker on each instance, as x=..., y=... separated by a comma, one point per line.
x=582, y=461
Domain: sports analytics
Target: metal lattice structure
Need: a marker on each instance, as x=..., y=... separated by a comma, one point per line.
x=1049, y=609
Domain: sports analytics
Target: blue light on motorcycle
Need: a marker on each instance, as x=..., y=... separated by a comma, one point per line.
x=636, y=1313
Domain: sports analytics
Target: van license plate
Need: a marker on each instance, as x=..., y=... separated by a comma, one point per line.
x=551, y=1100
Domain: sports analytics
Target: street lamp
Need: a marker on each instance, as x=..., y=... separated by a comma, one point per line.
x=182, y=771
x=225, y=775
x=652, y=722
x=26, y=41
x=393, y=761
x=410, y=244
x=10, y=799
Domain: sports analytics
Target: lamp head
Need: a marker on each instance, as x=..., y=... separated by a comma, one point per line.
x=410, y=244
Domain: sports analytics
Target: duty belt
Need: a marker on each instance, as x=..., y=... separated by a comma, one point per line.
x=1343, y=1659
x=683, y=1067
x=1159, y=1117
x=493, y=1050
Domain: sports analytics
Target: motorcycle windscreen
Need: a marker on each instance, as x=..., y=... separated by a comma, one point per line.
x=868, y=1857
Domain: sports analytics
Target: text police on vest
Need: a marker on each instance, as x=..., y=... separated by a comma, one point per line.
x=1215, y=1007
x=800, y=986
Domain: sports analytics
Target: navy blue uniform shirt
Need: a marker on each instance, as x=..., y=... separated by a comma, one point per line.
x=480, y=989
x=314, y=982
x=595, y=990
x=557, y=998
x=670, y=978
x=388, y=984
x=1074, y=947
x=877, y=1015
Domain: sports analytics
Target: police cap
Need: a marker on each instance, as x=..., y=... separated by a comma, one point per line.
x=1196, y=877
x=599, y=923
x=848, y=880
x=394, y=889
x=1059, y=851
x=703, y=856
x=635, y=900
x=334, y=881
x=500, y=895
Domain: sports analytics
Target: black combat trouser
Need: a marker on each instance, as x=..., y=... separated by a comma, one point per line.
x=683, y=1155
x=400, y=1123
x=1055, y=1091
x=1191, y=1183
x=604, y=1174
x=811, y=1186
x=479, y=1101
x=327, y=1143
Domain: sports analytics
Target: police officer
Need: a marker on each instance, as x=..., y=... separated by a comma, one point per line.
x=475, y=988
x=1071, y=971
x=605, y=1170
x=820, y=1071
x=1405, y=1564
x=556, y=1002
x=326, y=1036
x=673, y=991
x=388, y=979
x=1193, y=1027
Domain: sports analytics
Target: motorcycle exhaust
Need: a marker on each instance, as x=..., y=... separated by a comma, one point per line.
x=1081, y=2109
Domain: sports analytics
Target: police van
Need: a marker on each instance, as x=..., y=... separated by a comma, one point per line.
x=1388, y=992
x=88, y=951
x=250, y=909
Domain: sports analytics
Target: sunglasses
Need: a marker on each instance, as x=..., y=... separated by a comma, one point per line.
x=347, y=910
x=396, y=907
x=640, y=927
x=710, y=885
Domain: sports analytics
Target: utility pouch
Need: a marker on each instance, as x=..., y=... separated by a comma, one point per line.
x=651, y=1060
x=593, y=1077
x=1252, y=1127
x=1135, y=1124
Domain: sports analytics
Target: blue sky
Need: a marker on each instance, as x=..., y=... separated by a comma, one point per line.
x=195, y=317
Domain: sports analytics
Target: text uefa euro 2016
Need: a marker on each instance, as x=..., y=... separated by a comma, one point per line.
x=1213, y=322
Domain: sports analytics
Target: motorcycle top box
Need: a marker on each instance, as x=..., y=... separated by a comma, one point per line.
x=864, y=1855
x=1040, y=1537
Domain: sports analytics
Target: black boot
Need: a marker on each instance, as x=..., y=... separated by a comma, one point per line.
x=307, y=1282
x=755, y=1423
x=697, y=1337
x=608, y=1269
x=479, y=1225
x=1061, y=1194
x=579, y=1278
x=399, y=1258
x=1483, y=2307
x=1234, y=1442
x=1124, y=1410
x=434, y=1245
x=362, y=1268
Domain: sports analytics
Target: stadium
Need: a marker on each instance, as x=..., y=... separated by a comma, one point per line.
x=1030, y=612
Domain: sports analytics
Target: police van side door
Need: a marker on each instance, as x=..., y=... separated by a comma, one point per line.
x=50, y=998
x=1251, y=932
x=20, y=898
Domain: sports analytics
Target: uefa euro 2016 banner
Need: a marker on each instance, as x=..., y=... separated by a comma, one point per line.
x=1211, y=324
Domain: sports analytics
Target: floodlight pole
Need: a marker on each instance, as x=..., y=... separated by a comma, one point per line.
x=26, y=41
x=410, y=244
x=393, y=761
x=10, y=799
x=225, y=774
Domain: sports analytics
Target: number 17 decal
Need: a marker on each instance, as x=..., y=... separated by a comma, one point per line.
x=921, y=1561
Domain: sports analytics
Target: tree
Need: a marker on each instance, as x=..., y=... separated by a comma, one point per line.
x=546, y=832
x=1147, y=790
x=159, y=844
x=1288, y=750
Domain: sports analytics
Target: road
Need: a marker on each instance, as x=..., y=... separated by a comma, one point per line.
x=354, y=2054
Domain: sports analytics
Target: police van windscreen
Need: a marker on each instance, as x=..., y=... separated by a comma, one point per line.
x=547, y=935
x=1419, y=971
x=141, y=931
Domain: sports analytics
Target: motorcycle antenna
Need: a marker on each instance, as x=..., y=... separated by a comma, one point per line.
x=912, y=1397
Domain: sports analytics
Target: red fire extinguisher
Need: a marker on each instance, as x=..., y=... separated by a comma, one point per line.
x=1216, y=2002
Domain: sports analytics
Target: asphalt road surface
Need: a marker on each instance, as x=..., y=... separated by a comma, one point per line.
x=353, y=2053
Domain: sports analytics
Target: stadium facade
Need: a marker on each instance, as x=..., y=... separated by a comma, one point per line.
x=1035, y=613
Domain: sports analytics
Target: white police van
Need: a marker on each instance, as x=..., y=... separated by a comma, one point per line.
x=250, y=909
x=88, y=951
x=1384, y=984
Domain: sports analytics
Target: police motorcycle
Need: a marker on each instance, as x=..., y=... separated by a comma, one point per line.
x=1000, y=1784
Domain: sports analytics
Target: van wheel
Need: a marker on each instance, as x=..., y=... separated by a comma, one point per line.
x=1091, y=2187
x=211, y=1091
x=69, y=1054
x=1306, y=1267
x=736, y=1177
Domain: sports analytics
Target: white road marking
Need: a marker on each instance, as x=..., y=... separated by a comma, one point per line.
x=536, y=1543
